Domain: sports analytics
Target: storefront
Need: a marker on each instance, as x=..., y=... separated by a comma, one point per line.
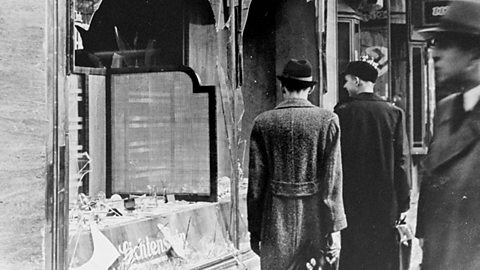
x=139, y=93
x=152, y=101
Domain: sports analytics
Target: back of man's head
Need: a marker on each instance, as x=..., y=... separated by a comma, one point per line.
x=363, y=70
x=297, y=75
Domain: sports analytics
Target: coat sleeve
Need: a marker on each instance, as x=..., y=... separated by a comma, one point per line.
x=424, y=174
x=421, y=211
x=257, y=180
x=332, y=195
x=402, y=164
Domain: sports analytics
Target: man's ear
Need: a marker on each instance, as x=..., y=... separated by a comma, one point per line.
x=312, y=88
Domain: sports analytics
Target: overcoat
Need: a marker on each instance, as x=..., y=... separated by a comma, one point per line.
x=375, y=157
x=295, y=180
x=449, y=204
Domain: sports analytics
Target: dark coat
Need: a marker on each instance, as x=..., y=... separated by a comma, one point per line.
x=375, y=157
x=449, y=204
x=295, y=180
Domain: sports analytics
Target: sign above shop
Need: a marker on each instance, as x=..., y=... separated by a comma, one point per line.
x=433, y=11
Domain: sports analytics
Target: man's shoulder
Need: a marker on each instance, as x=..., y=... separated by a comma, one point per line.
x=445, y=107
x=262, y=116
x=324, y=112
x=320, y=115
x=343, y=104
x=352, y=104
x=447, y=101
x=360, y=109
x=313, y=110
x=395, y=108
x=266, y=116
x=390, y=109
x=311, y=114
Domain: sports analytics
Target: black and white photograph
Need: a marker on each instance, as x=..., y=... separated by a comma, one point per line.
x=240, y=134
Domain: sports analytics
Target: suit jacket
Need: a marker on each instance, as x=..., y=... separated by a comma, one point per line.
x=449, y=204
x=295, y=180
x=375, y=154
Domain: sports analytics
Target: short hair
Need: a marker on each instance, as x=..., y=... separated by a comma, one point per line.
x=294, y=86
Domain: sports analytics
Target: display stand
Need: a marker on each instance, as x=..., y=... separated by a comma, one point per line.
x=174, y=235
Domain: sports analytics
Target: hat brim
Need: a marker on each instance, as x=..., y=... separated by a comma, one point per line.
x=433, y=29
x=289, y=80
x=430, y=32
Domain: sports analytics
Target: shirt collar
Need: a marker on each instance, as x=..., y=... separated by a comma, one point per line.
x=294, y=102
x=470, y=98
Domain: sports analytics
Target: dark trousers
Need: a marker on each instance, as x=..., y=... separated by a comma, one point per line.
x=369, y=249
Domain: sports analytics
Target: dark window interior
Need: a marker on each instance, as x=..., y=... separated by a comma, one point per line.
x=417, y=97
x=343, y=55
x=129, y=33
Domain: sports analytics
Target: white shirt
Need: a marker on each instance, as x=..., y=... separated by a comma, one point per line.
x=470, y=98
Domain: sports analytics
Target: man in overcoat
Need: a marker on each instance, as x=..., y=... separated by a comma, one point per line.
x=295, y=178
x=449, y=204
x=375, y=158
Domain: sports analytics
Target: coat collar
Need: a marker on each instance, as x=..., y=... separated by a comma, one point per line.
x=446, y=145
x=448, y=112
x=294, y=102
x=360, y=97
x=368, y=96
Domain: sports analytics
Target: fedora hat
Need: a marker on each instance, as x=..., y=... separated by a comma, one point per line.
x=297, y=74
x=462, y=17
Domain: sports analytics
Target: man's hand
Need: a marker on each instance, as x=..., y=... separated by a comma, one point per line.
x=255, y=246
x=333, y=247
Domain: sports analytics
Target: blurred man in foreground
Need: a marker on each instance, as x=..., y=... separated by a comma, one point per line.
x=449, y=204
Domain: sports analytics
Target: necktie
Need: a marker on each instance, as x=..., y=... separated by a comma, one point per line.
x=459, y=113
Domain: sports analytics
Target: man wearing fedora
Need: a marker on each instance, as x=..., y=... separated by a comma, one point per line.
x=295, y=177
x=376, y=179
x=449, y=204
